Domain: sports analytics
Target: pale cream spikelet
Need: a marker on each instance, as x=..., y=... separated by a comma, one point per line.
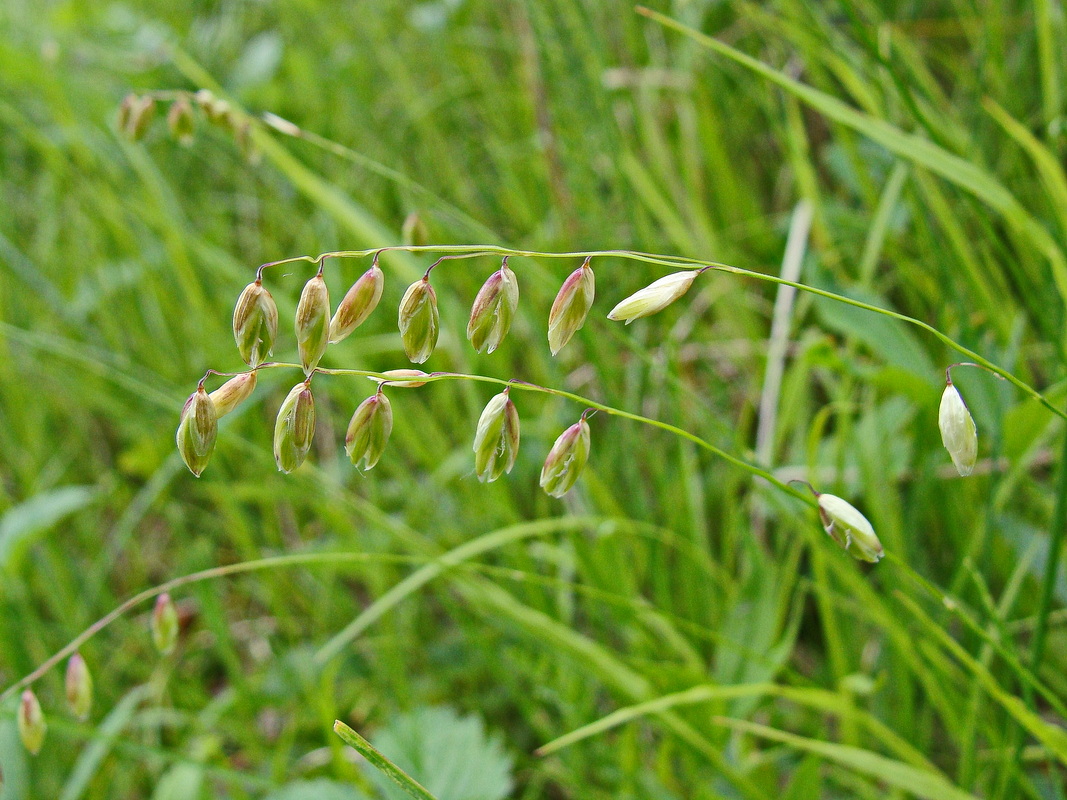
x=958, y=431
x=849, y=528
x=655, y=297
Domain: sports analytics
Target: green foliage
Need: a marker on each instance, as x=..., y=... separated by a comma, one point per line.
x=671, y=590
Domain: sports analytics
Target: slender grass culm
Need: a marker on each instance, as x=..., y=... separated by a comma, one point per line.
x=412, y=515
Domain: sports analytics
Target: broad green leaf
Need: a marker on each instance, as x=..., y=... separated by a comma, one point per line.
x=452, y=756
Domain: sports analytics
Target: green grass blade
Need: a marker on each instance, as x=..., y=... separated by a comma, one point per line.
x=919, y=782
x=381, y=763
x=964, y=174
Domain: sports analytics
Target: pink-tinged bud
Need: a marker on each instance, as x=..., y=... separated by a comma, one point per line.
x=403, y=378
x=255, y=323
x=655, y=297
x=181, y=122
x=295, y=428
x=369, y=430
x=414, y=230
x=496, y=441
x=419, y=321
x=197, y=428
x=234, y=392
x=849, y=528
x=165, y=624
x=571, y=307
x=358, y=304
x=566, y=459
x=79, y=687
x=958, y=431
x=493, y=309
x=31, y=722
x=313, y=323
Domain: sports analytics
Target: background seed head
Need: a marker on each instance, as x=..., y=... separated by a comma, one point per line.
x=141, y=113
x=566, y=459
x=216, y=109
x=255, y=324
x=369, y=430
x=849, y=528
x=294, y=428
x=125, y=113
x=313, y=323
x=493, y=310
x=31, y=722
x=496, y=440
x=655, y=297
x=165, y=624
x=198, y=427
x=358, y=303
x=419, y=321
x=571, y=307
x=79, y=687
x=958, y=431
x=181, y=122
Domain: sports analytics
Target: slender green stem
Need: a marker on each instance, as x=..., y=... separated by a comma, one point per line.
x=577, y=398
x=296, y=559
x=473, y=251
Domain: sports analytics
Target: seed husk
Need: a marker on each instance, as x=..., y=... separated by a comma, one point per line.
x=849, y=528
x=571, y=307
x=165, y=624
x=255, y=323
x=419, y=321
x=369, y=430
x=958, y=431
x=655, y=297
x=294, y=428
x=234, y=392
x=31, y=722
x=496, y=440
x=78, y=684
x=197, y=430
x=493, y=310
x=566, y=459
x=313, y=322
x=358, y=303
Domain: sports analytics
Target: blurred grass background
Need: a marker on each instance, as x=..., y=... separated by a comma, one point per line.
x=546, y=125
